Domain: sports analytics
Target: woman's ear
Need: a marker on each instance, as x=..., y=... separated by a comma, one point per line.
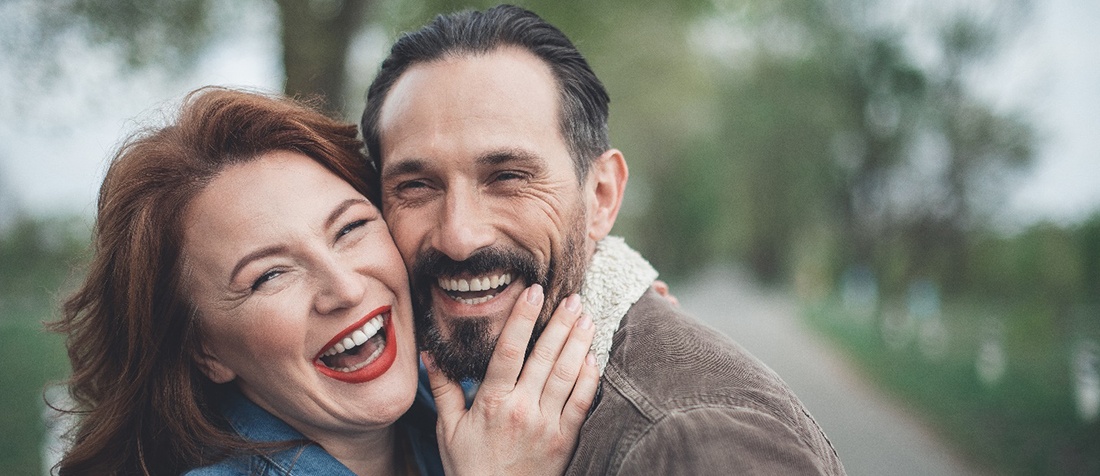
x=214, y=369
x=606, y=184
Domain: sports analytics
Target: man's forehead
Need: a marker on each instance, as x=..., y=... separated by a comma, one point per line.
x=470, y=84
x=475, y=105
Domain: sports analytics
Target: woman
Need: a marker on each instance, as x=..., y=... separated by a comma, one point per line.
x=246, y=312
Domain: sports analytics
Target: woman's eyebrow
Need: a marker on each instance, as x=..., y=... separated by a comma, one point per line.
x=341, y=208
x=253, y=256
x=273, y=250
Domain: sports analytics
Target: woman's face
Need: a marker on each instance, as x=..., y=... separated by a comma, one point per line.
x=302, y=296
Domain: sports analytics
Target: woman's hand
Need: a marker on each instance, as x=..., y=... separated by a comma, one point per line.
x=522, y=423
x=662, y=288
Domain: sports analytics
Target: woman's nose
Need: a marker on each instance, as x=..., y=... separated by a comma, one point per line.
x=340, y=286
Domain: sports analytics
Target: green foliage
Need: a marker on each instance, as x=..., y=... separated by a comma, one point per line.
x=1045, y=263
x=147, y=32
x=1024, y=423
x=37, y=258
x=1088, y=238
x=1034, y=294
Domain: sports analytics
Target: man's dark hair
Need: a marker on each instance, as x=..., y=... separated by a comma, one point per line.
x=583, y=99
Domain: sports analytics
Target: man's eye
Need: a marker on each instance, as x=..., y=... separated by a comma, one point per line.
x=507, y=175
x=412, y=184
x=268, y=276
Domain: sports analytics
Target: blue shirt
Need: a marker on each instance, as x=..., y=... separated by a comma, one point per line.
x=256, y=424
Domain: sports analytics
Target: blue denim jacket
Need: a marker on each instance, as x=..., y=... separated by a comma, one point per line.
x=256, y=424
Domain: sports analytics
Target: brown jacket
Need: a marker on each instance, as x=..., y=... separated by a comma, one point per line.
x=678, y=397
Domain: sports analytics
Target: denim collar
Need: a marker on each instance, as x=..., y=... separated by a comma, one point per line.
x=256, y=424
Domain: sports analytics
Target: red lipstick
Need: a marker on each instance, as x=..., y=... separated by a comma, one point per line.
x=372, y=370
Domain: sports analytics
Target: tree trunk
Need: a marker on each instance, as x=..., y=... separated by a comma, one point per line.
x=316, y=35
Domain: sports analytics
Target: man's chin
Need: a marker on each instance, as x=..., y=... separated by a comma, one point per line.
x=465, y=353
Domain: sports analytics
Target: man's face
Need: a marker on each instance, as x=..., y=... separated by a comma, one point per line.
x=480, y=194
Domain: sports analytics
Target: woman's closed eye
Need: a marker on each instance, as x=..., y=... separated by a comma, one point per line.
x=350, y=227
x=264, y=278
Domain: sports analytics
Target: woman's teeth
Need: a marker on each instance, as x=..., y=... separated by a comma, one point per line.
x=374, y=355
x=357, y=338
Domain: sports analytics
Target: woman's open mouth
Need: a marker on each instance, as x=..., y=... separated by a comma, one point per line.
x=362, y=352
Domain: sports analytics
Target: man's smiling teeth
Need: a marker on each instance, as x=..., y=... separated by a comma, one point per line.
x=357, y=338
x=483, y=283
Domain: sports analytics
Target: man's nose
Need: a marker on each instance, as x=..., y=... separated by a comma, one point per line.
x=339, y=286
x=464, y=227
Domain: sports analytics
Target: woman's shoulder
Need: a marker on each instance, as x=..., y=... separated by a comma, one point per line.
x=235, y=466
x=280, y=450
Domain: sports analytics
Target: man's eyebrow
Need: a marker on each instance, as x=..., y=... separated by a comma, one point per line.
x=492, y=158
x=402, y=167
x=504, y=156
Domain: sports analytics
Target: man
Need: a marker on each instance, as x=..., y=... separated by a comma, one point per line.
x=489, y=131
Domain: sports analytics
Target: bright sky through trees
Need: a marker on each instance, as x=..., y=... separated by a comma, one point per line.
x=54, y=142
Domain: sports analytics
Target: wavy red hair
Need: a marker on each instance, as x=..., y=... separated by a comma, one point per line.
x=144, y=405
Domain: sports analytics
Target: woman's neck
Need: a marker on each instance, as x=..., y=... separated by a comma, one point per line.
x=372, y=452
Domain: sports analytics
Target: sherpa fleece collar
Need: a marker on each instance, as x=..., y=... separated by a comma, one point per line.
x=617, y=278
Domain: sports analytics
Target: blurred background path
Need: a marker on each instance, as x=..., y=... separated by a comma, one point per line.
x=873, y=434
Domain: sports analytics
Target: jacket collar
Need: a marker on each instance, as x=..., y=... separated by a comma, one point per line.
x=616, y=278
x=256, y=424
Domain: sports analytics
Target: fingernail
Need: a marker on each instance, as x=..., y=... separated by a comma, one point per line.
x=573, y=303
x=590, y=359
x=427, y=360
x=585, y=322
x=534, y=294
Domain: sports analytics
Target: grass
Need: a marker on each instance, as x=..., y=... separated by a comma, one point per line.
x=36, y=260
x=32, y=358
x=1025, y=422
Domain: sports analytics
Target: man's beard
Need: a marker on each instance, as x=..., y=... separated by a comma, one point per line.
x=466, y=355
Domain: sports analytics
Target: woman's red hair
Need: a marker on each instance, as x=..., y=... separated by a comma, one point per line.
x=145, y=406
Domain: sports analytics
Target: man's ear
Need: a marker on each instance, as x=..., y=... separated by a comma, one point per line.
x=213, y=367
x=606, y=184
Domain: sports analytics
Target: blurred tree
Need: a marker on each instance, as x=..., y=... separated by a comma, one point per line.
x=825, y=102
x=978, y=150
x=8, y=207
x=315, y=35
x=1089, y=241
x=751, y=126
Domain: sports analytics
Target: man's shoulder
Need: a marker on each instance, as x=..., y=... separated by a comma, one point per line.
x=677, y=393
x=671, y=357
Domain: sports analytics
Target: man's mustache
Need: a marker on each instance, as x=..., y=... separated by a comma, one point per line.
x=432, y=264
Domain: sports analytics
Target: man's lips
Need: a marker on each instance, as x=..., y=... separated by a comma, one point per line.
x=374, y=333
